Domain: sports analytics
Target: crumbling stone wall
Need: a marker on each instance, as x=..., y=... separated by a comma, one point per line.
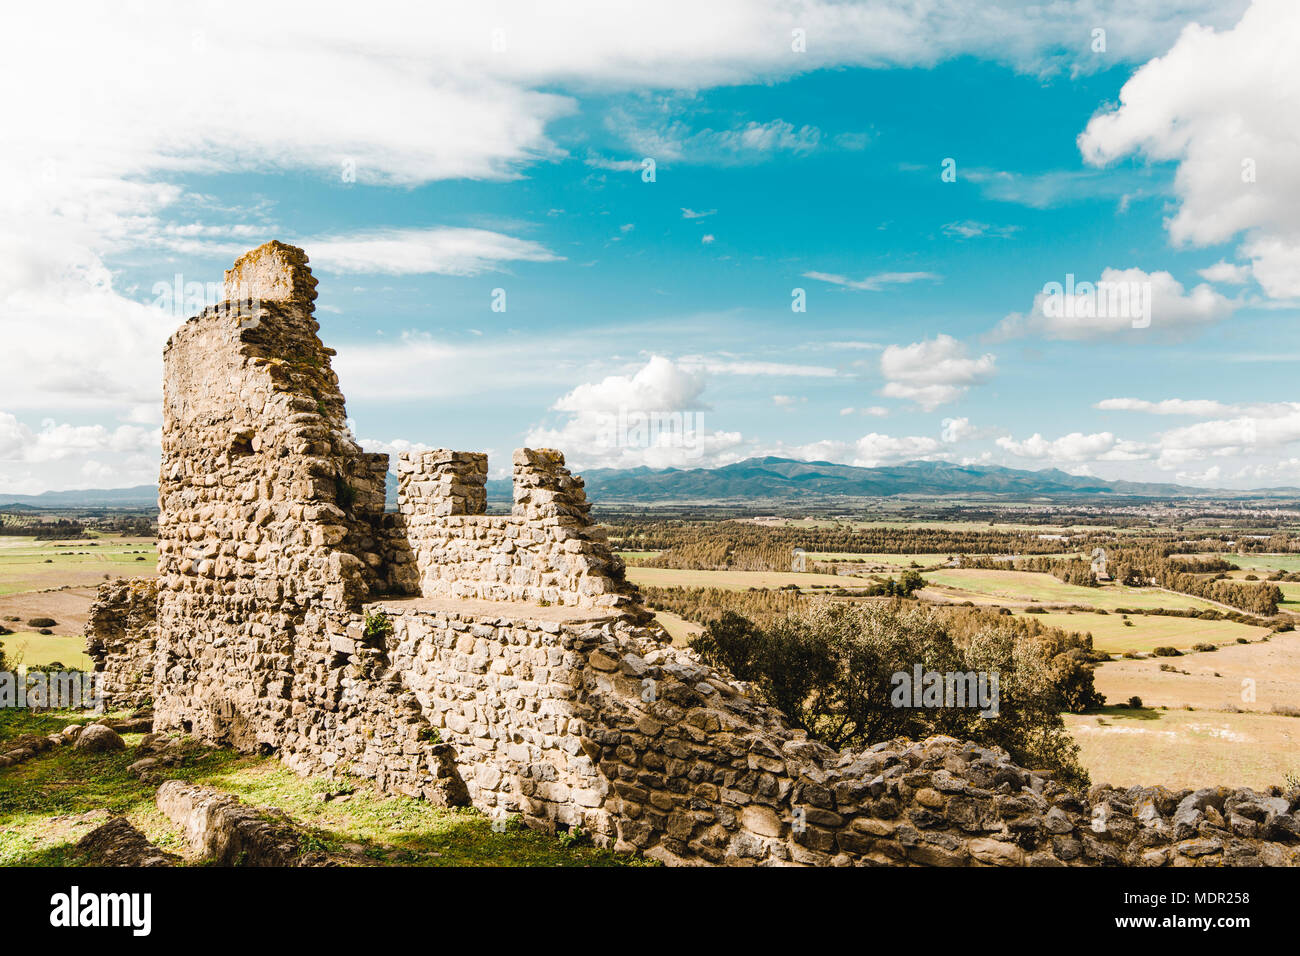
x=547, y=550
x=122, y=634
x=503, y=660
x=601, y=724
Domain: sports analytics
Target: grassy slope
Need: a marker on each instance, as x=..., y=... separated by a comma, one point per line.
x=52, y=800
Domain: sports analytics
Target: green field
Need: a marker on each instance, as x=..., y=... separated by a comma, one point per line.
x=1265, y=562
x=38, y=649
x=986, y=587
x=1148, y=631
x=27, y=564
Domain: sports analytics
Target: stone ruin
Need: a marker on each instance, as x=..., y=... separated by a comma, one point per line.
x=503, y=662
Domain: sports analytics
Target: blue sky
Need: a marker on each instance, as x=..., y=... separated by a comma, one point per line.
x=420, y=179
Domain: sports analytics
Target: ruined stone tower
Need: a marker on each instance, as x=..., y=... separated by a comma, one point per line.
x=272, y=535
x=503, y=660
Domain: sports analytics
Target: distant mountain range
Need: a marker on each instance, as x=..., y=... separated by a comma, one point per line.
x=785, y=478
x=756, y=479
x=134, y=497
x=790, y=480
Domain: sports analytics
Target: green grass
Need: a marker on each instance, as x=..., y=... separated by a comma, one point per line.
x=37, y=649
x=1149, y=631
x=1045, y=589
x=52, y=800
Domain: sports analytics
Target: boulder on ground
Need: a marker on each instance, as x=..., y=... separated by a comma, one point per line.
x=99, y=739
x=117, y=843
x=222, y=829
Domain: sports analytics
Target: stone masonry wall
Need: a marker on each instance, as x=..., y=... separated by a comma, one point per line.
x=122, y=639
x=503, y=661
x=600, y=724
x=547, y=550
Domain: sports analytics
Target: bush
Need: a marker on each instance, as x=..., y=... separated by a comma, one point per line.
x=831, y=669
x=1168, y=652
x=1135, y=703
x=39, y=622
x=1073, y=677
x=1205, y=647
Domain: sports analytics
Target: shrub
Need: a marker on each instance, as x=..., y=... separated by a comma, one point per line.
x=378, y=626
x=830, y=670
x=39, y=622
x=1205, y=647
x=1168, y=652
x=575, y=836
x=1135, y=703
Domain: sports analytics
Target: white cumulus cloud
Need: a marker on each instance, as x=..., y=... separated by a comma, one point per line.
x=933, y=372
x=1222, y=104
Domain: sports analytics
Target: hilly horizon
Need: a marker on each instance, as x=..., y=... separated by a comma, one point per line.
x=764, y=478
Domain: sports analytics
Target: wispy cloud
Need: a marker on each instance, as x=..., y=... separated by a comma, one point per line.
x=873, y=283
x=442, y=250
x=970, y=229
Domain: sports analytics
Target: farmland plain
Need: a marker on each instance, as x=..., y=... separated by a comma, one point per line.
x=1032, y=587
x=57, y=580
x=1186, y=749
x=1116, y=634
